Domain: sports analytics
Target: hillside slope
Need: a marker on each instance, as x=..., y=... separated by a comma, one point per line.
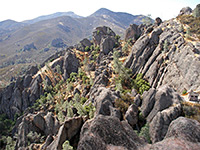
x=32, y=41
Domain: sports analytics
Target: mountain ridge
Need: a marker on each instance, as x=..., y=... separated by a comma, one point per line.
x=52, y=16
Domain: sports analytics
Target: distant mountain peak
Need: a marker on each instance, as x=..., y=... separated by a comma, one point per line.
x=52, y=16
x=102, y=11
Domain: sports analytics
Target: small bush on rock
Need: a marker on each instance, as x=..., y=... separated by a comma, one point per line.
x=144, y=132
x=66, y=146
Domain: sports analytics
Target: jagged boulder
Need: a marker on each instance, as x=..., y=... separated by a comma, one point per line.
x=107, y=44
x=184, y=128
x=36, y=123
x=158, y=21
x=47, y=142
x=27, y=80
x=133, y=32
x=100, y=33
x=160, y=123
x=71, y=64
x=5, y=100
x=138, y=100
x=160, y=107
x=142, y=50
x=103, y=99
x=32, y=71
x=39, y=121
x=105, y=132
x=183, y=134
x=35, y=89
x=164, y=98
x=24, y=128
x=185, y=11
x=132, y=115
x=172, y=143
x=148, y=101
x=68, y=130
x=51, y=124
x=83, y=44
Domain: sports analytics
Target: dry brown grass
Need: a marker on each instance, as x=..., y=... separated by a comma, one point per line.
x=191, y=110
x=192, y=23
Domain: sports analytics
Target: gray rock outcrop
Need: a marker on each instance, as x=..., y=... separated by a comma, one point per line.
x=185, y=11
x=131, y=115
x=71, y=64
x=83, y=44
x=100, y=33
x=164, y=57
x=133, y=32
x=160, y=107
x=183, y=134
x=184, y=128
x=107, y=44
x=106, y=131
x=68, y=130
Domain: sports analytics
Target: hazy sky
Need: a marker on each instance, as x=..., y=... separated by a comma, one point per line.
x=20, y=10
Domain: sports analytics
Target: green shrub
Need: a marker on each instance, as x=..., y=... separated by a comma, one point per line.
x=83, y=100
x=145, y=133
x=61, y=116
x=97, y=48
x=10, y=143
x=87, y=48
x=81, y=73
x=140, y=84
x=70, y=87
x=34, y=137
x=6, y=125
x=77, y=98
x=58, y=69
x=117, y=37
x=92, y=47
x=90, y=110
x=125, y=48
x=184, y=92
x=66, y=146
x=72, y=77
x=80, y=109
x=70, y=113
x=166, y=46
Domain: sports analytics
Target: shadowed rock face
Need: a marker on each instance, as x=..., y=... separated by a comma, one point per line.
x=160, y=107
x=133, y=32
x=18, y=96
x=105, y=38
x=71, y=64
x=100, y=33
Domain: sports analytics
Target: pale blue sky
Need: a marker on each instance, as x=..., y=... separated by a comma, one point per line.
x=20, y=10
